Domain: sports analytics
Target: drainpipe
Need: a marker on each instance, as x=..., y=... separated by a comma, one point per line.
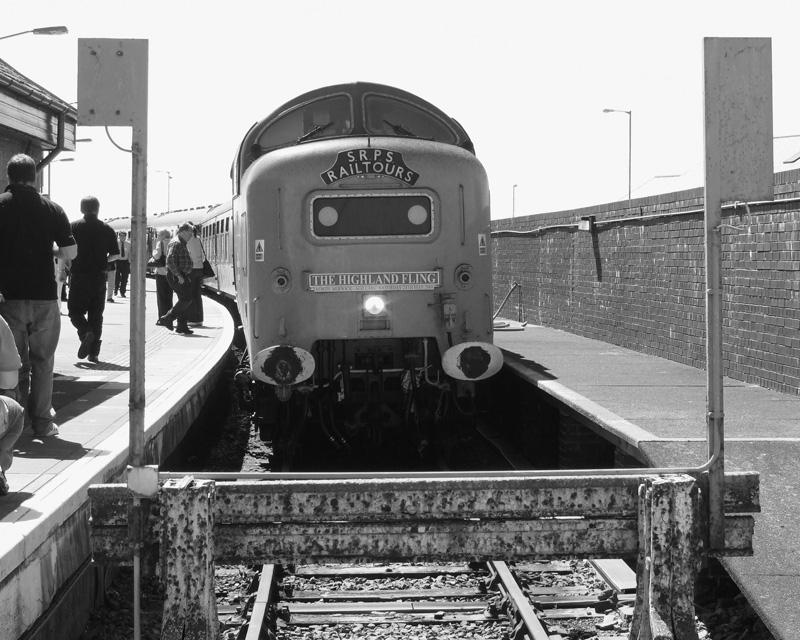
x=59, y=145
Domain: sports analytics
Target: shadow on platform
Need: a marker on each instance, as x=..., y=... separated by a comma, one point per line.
x=13, y=501
x=540, y=369
x=69, y=395
x=31, y=447
x=100, y=366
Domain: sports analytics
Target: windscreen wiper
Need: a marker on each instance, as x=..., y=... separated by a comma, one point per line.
x=400, y=130
x=314, y=131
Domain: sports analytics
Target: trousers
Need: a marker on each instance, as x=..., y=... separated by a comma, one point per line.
x=11, y=424
x=121, y=279
x=86, y=303
x=163, y=294
x=36, y=325
x=184, y=293
x=195, y=311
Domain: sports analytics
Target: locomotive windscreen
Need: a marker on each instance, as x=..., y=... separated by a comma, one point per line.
x=358, y=216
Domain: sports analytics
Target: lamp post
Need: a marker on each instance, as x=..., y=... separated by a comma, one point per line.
x=630, y=139
x=169, y=184
x=39, y=31
x=513, y=201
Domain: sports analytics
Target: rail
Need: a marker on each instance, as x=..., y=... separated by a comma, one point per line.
x=514, y=286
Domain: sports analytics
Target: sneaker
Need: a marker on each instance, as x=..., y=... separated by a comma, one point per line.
x=184, y=330
x=164, y=323
x=52, y=430
x=93, y=359
x=3, y=483
x=86, y=344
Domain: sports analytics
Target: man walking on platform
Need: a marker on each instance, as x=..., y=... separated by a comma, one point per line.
x=97, y=245
x=179, y=276
x=123, y=264
x=29, y=226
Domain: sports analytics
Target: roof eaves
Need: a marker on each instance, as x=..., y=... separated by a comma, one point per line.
x=24, y=87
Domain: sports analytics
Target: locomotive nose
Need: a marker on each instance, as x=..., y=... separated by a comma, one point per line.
x=283, y=365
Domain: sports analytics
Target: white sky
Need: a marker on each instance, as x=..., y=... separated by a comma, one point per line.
x=528, y=80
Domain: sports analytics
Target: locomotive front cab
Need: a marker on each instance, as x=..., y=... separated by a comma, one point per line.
x=368, y=272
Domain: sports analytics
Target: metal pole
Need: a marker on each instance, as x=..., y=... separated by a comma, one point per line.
x=13, y=35
x=715, y=413
x=137, y=325
x=713, y=265
x=137, y=319
x=630, y=144
x=513, y=201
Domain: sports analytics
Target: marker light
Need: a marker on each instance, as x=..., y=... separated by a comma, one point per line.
x=374, y=305
x=328, y=216
x=417, y=214
x=281, y=280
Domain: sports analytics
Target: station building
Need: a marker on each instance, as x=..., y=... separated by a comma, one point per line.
x=33, y=120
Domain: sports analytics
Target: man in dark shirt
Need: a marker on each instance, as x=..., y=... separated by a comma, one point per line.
x=97, y=245
x=179, y=276
x=30, y=224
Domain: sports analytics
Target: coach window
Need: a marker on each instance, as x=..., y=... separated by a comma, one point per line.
x=329, y=116
x=391, y=117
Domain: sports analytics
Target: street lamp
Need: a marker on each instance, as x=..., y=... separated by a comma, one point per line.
x=513, y=200
x=630, y=138
x=169, y=184
x=40, y=31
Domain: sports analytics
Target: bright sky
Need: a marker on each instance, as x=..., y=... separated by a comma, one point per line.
x=528, y=80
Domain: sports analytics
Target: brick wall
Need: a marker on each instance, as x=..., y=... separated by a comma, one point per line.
x=639, y=279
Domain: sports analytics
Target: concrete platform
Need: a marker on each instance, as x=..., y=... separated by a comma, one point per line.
x=44, y=542
x=656, y=407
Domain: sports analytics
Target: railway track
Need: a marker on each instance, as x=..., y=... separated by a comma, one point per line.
x=479, y=600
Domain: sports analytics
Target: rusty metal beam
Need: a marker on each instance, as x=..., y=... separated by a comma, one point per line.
x=449, y=540
x=391, y=499
x=390, y=519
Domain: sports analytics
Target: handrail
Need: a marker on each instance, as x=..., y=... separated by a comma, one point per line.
x=421, y=475
x=514, y=285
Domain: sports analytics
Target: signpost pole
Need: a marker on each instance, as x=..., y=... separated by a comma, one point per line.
x=738, y=166
x=112, y=91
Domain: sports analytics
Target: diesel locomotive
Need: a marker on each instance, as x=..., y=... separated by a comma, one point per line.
x=356, y=244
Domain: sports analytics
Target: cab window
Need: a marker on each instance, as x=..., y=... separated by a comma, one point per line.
x=391, y=117
x=329, y=116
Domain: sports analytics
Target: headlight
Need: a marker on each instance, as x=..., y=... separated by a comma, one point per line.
x=417, y=214
x=328, y=216
x=374, y=305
